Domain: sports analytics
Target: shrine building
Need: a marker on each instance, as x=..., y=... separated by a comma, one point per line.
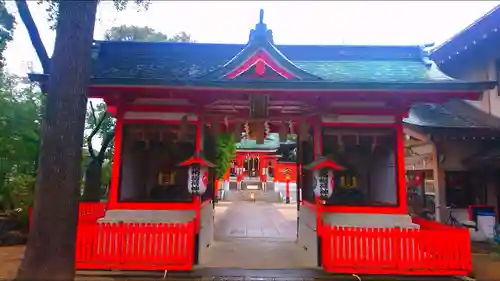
x=344, y=103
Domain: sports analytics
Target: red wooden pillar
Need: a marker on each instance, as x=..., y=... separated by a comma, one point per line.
x=115, y=172
x=216, y=189
x=258, y=157
x=287, y=191
x=275, y=171
x=400, y=164
x=239, y=172
x=262, y=175
x=318, y=151
x=198, y=140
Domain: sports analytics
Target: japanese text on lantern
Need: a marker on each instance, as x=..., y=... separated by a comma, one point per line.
x=323, y=183
x=195, y=179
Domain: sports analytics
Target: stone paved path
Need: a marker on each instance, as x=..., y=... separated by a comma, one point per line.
x=255, y=235
x=259, y=220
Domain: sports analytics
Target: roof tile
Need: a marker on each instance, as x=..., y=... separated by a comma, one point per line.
x=453, y=114
x=141, y=60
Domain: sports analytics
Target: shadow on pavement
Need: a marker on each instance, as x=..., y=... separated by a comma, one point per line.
x=233, y=274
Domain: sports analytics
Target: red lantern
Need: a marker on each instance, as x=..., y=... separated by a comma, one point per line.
x=417, y=180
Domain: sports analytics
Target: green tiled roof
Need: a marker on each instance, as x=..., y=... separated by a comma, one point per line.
x=191, y=61
x=339, y=67
x=374, y=70
x=272, y=142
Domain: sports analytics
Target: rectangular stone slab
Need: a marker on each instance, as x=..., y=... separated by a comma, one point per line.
x=148, y=216
x=369, y=220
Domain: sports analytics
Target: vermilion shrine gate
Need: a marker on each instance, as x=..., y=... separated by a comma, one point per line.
x=346, y=105
x=265, y=168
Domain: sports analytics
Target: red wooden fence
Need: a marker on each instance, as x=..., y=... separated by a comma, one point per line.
x=86, y=208
x=131, y=246
x=434, y=249
x=134, y=246
x=86, y=211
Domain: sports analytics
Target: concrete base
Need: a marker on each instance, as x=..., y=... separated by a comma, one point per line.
x=308, y=237
x=369, y=220
x=148, y=216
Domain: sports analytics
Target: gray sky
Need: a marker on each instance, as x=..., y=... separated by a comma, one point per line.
x=297, y=22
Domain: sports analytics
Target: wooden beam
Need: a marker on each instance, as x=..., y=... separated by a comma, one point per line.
x=414, y=133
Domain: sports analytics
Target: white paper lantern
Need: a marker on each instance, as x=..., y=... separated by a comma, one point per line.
x=323, y=182
x=197, y=179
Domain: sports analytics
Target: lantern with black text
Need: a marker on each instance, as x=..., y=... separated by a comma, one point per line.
x=323, y=176
x=197, y=182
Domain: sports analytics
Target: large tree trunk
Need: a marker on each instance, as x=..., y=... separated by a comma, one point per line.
x=92, y=188
x=50, y=252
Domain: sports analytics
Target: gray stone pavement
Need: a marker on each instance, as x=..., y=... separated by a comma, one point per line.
x=254, y=235
x=227, y=274
x=257, y=220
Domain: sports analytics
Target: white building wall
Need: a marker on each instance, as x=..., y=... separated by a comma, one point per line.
x=383, y=182
x=490, y=100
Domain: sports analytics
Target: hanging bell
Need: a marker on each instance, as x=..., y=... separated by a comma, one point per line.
x=290, y=127
x=283, y=132
x=340, y=143
x=183, y=129
x=374, y=143
x=215, y=128
x=259, y=129
x=303, y=130
x=238, y=128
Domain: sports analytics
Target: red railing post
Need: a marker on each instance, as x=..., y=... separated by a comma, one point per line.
x=287, y=192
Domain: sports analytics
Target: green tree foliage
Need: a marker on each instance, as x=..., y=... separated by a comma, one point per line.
x=143, y=33
x=7, y=22
x=19, y=130
x=225, y=152
x=19, y=142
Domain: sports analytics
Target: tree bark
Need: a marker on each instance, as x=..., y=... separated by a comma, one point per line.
x=93, y=174
x=92, y=188
x=50, y=251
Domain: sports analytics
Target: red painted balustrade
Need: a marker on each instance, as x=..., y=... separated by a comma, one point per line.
x=434, y=249
x=135, y=246
x=87, y=208
x=86, y=211
x=131, y=246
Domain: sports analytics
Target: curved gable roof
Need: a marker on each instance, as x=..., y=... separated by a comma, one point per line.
x=470, y=40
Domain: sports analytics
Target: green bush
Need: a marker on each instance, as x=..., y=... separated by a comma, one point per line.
x=225, y=152
x=22, y=188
